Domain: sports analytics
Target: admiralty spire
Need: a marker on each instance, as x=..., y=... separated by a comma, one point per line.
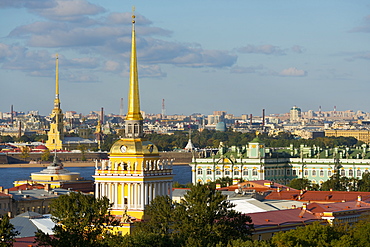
x=134, y=174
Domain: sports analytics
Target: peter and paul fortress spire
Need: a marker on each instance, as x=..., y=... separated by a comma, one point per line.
x=134, y=174
x=55, y=134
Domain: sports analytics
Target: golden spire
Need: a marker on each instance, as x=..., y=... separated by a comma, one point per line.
x=133, y=94
x=56, y=101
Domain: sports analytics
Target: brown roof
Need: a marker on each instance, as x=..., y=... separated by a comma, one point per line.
x=318, y=196
x=339, y=206
x=27, y=187
x=281, y=218
x=258, y=185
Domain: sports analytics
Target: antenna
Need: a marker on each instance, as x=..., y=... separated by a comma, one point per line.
x=121, y=108
x=163, y=110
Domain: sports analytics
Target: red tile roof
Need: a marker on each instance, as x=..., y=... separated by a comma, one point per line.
x=258, y=185
x=318, y=196
x=27, y=187
x=282, y=219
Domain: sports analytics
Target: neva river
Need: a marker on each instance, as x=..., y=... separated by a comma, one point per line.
x=182, y=174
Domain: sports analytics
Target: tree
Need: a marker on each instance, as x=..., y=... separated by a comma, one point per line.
x=364, y=183
x=25, y=153
x=81, y=220
x=207, y=218
x=300, y=183
x=46, y=156
x=314, y=234
x=7, y=232
x=82, y=148
x=203, y=218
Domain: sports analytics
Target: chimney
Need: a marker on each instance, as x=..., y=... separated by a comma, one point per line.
x=304, y=206
x=218, y=186
x=10, y=214
x=278, y=189
x=6, y=191
x=47, y=187
x=1, y=188
x=359, y=198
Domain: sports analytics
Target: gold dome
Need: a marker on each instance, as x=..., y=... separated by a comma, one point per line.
x=133, y=147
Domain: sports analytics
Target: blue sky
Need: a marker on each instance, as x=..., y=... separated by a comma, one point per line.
x=240, y=56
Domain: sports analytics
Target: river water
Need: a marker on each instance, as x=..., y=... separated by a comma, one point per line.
x=182, y=174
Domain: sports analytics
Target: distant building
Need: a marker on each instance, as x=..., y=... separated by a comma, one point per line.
x=360, y=135
x=256, y=162
x=295, y=114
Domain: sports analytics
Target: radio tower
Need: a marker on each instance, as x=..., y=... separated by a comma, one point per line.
x=121, y=108
x=163, y=110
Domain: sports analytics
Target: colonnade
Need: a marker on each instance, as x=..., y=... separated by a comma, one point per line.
x=134, y=195
x=149, y=165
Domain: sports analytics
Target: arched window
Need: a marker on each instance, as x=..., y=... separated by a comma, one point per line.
x=200, y=171
x=254, y=172
x=136, y=129
x=209, y=171
x=245, y=172
x=313, y=172
x=218, y=172
x=227, y=172
x=305, y=172
x=358, y=173
x=236, y=172
x=350, y=173
x=342, y=172
x=329, y=173
x=321, y=173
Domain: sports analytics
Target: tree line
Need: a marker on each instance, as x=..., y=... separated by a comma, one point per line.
x=211, y=139
x=335, y=183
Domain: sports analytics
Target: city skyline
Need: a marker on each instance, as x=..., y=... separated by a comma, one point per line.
x=239, y=56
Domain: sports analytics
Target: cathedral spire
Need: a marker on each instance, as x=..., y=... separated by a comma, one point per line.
x=56, y=101
x=133, y=95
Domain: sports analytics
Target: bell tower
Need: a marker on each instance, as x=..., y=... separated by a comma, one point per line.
x=55, y=134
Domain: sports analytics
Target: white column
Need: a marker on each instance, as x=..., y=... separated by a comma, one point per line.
x=136, y=190
x=116, y=194
x=142, y=197
x=170, y=189
x=97, y=190
x=150, y=192
x=102, y=189
x=123, y=195
x=129, y=195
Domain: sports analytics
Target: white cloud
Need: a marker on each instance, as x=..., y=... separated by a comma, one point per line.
x=243, y=70
x=69, y=10
x=262, y=49
x=293, y=72
x=111, y=66
x=297, y=49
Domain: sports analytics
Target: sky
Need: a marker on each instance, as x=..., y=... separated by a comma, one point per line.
x=239, y=56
